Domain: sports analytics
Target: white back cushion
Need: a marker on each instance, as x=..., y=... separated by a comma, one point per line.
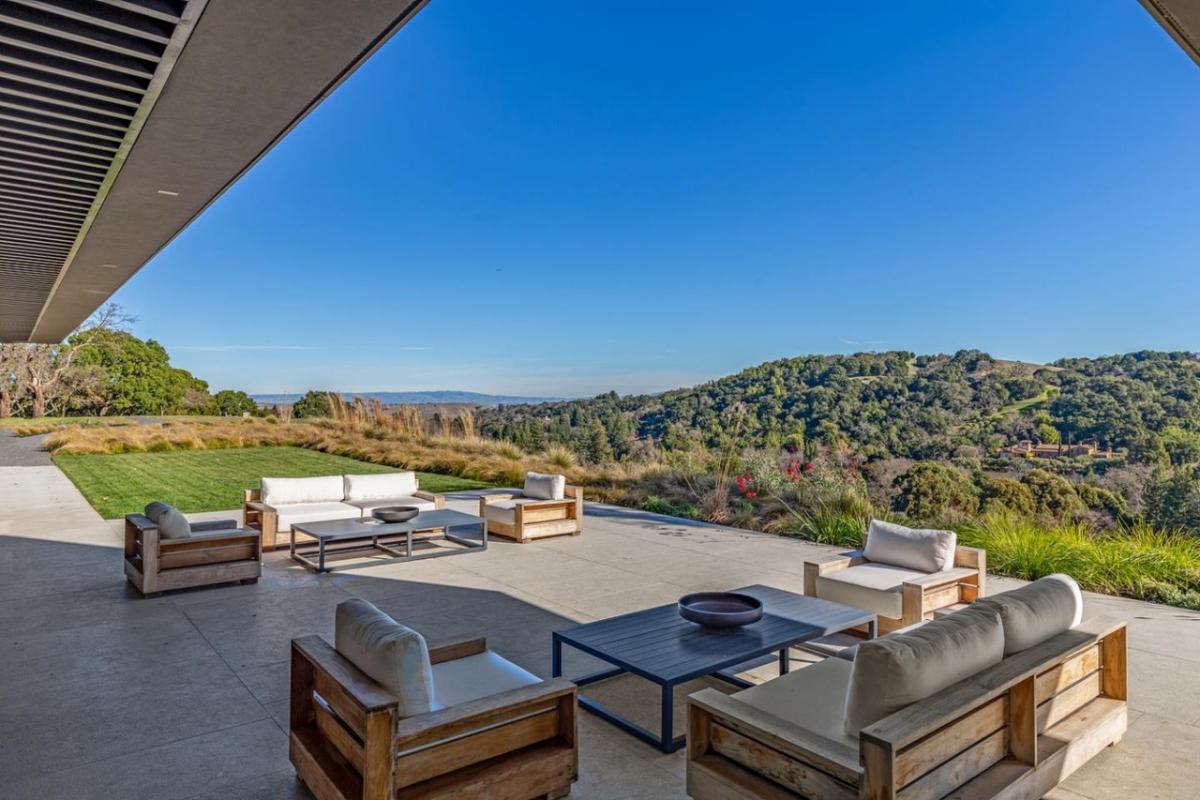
x=394, y=655
x=1036, y=612
x=898, y=670
x=912, y=548
x=379, y=487
x=170, y=523
x=280, y=491
x=545, y=487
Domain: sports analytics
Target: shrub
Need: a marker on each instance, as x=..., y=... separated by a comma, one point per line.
x=929, y=490
x=1002, y=495
x=1053, y=495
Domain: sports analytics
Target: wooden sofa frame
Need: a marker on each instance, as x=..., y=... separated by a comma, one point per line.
x=347, y=741
x=964, y=583
x=212, y=554
x=260, y=517
x=1013, y=731
x=539, y=518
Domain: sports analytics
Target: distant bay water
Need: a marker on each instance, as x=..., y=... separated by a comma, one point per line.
x=446, y=397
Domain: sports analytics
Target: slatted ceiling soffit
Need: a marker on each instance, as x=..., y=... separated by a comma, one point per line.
x=77, y=79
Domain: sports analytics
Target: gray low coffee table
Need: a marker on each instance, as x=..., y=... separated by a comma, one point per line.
x=373, y=535
x=659, y=645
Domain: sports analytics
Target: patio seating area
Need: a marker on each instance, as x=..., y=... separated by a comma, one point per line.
x=186, y=695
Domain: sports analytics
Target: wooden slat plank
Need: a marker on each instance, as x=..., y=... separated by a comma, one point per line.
x=111, y=18
x=464, y=751
x=534, y=771
x=1071, y=671
x=805, y=779
x=954, y=773
x=940, y=746
x=209, y=555
x=1067, y=701
x=340, y=738
x=321, y=768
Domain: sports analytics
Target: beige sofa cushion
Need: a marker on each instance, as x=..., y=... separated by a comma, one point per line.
x=280, y=491
x=912, y=548
x=812, y=698
x=545, y=487
x=392, y=654
x=873, y=587
x=481, y=675
x=1037, y=611
x=289, y=515
x=895, y=671
x=379, y=487
x=367, y=506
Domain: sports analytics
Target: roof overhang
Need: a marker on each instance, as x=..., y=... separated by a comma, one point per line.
x=122, y=120
x=1181, y=19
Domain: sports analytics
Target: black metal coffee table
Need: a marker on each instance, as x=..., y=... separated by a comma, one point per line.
x=662, y=647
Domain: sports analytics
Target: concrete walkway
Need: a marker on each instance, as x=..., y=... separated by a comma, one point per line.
x=104, y=694
x=22, y=451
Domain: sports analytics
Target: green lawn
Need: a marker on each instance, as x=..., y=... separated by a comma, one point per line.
x=209, y=480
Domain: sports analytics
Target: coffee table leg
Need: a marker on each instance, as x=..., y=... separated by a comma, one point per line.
x=320, y=555
x=667, y=726
x=785, y=661
x=873, y=628
x=556, y=657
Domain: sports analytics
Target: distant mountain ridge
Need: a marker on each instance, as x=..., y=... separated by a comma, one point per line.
x=440, y=396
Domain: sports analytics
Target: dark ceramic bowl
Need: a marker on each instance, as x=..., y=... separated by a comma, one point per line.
x=720, y=609
x=395, y=513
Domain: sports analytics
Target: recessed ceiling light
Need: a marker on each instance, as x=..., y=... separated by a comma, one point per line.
x=109, y=266
x=168, y=193
x=95, y=291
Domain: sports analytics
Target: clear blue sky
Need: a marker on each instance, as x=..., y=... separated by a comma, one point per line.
x=561, y=198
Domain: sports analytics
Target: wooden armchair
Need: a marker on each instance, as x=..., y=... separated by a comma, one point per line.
x=920, y=596
x=1014, y=730
x=347, y=741
x=216, y=552
x=524, y=519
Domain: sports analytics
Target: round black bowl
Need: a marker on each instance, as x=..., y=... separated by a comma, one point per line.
x=395, y=513
x=720, y=609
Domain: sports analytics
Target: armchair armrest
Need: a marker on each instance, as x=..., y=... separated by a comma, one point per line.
x=415, y=733
x=454, y=649
x=485, y=499
x=822, y=565
x=215, y=525
x=141, y=522
x=349, y=679
x=947, y=576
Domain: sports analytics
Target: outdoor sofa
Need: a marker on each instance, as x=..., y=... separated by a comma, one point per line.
x=546, y=506
x=381, y=715
x=164, y=551
x=1002, y=699
x=903, y=575
x=279, y=502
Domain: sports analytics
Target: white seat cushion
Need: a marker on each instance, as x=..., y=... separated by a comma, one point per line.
x=871, y=587
x=1035, y=612
x=392, y=654
x=911, y=548
x=280, y=491
x=481, y=675
x=379, y=487
x=813, y=698
x=540, y=486
x=895, y=671
x=502, y=510
x=314, y=512
x=367, y=506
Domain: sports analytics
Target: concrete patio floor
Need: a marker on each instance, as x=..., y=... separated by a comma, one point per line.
x=104, y=694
